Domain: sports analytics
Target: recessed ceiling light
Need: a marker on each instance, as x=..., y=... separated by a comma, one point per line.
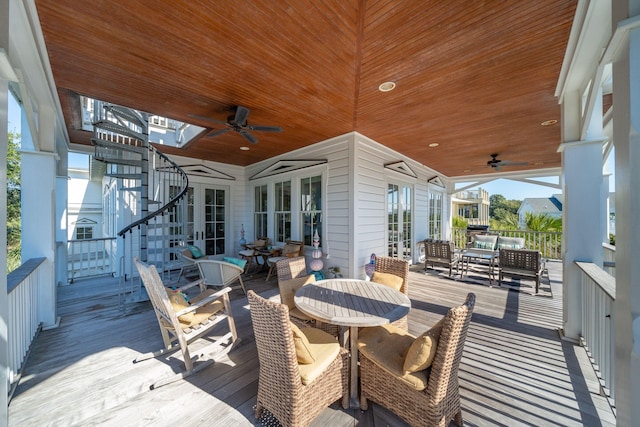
x=387, y=86
x=244, y=148
x=433, y=144
x=548, y=123
x=467, y=170
x=538, y=163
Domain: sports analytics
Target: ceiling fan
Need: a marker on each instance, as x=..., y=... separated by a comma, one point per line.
x=496, y=163
x=238, y=122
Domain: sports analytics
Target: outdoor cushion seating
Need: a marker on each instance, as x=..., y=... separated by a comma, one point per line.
x=192, y=320
x=521, y=263
x=428, y=397
x=292, y=392
x=442, y=253
x=189, y=269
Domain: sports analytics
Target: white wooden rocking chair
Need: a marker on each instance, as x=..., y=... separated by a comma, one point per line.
x=181, y=323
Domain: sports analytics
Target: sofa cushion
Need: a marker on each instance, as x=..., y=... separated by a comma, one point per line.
x=289, y=287
x=510, y=242
x=387, y=347
x=482, y=241
x=388, y=279
x=421, y=353
x=195, y=252
x=237, y=261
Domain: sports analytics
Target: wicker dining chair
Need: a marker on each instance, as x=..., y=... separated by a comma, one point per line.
x=433, y=398
x=400, y=268
x=285, y=387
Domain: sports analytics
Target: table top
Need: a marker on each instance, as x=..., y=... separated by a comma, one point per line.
x=352, y=302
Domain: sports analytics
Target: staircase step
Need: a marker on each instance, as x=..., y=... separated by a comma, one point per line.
x=124, y=175
x=126, y=114
x=117, y=161
x=119, y=129
x=118, y=146
x=130, y=189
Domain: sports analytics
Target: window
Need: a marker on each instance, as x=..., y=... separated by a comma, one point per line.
x=260, y=211
x=311, y=208
x=158, y=121
x=283, y=211
x=84, y=233
x=435, y=215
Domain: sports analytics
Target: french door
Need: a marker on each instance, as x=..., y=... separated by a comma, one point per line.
x=399, y=221
x=207, y=218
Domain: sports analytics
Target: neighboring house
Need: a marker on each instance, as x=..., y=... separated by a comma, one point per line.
x=551, y=206
x=84, y=205
x=472, y=205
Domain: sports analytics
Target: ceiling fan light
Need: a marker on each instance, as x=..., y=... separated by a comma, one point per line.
x=387, y=86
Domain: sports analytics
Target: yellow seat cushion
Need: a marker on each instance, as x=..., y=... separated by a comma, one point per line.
x=179, y=302
x=325, y=349
x=289, y=287
x=423, y=350
x=387, y=347
x=199, y=315
x=388, y=279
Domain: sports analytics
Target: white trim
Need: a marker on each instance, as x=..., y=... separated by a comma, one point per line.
x=284, y=166
x=206, y=171
x=402, y=167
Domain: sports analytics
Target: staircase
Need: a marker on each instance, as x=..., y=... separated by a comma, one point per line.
x=151, y=189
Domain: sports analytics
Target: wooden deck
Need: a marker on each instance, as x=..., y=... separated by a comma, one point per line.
x=515, y=370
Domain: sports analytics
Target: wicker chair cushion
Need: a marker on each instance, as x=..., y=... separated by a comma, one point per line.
x=325, y=349
x=387, y=279
x=195, y=252
x=303, y=346
x=387, y=347
x=423, y=350
x=236, y=261
x=289, y=287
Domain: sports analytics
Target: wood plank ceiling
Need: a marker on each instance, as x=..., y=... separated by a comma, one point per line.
x=474, y=77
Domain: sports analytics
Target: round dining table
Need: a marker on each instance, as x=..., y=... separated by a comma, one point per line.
x=352, y=303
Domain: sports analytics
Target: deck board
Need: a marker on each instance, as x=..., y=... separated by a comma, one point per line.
x=515, y=371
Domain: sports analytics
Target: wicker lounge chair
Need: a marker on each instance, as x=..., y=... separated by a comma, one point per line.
x=291, y=249
x=191, y=321
x=220, y=273
x=400, y=268
x=433, y=398
x=294, y=393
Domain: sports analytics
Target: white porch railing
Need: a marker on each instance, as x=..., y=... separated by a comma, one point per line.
x=91, y=257
x=548, y=243
x=23, y=296
x=598, y=298
x=609, y=258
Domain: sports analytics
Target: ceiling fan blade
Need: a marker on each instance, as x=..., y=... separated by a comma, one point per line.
x=241, y=115
x=265, y=128
x=209, y=119
x=510, y=163
x=249, y=137
x=218, y=132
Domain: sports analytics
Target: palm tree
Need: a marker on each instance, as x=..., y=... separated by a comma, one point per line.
x=542, y=222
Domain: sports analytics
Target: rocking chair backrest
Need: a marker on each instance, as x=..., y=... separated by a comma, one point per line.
x=157, y=292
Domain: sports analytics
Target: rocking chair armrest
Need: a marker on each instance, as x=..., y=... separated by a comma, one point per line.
x=214, y=296
x=199, y=282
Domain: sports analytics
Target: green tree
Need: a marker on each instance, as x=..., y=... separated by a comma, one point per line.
x=503, y=210
x=458, y=222
x=13, y=202
x=542, y=222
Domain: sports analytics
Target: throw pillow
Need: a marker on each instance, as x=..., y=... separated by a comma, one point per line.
x=423, y=350
x=387, y=279
x=239, y=262
x=179, y=302
x=303, y=347
x=195, y=252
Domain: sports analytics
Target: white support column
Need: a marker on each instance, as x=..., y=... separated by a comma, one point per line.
x=626, y=136
x=4, y=308
x=582, y=234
